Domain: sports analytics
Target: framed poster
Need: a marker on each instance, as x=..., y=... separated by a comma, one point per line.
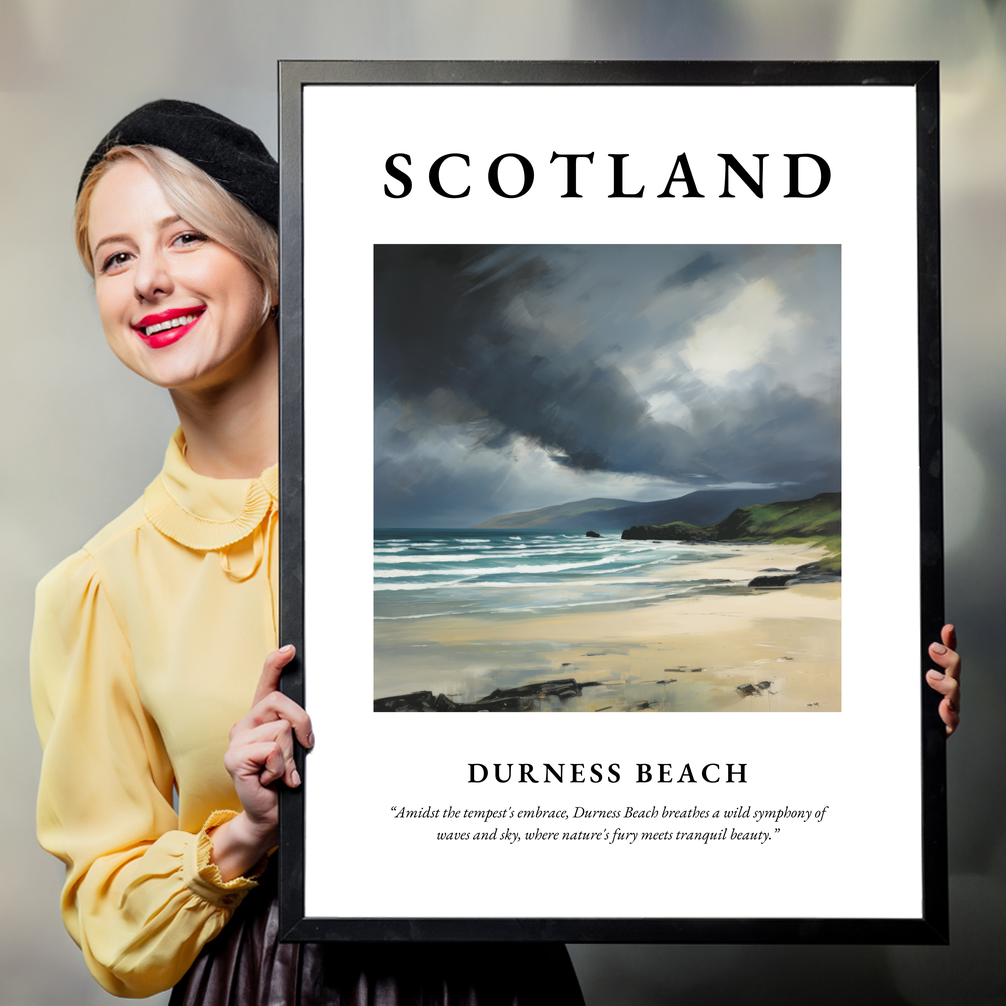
x=633, y=370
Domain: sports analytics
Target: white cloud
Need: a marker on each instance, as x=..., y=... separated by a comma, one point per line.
x=753, y=329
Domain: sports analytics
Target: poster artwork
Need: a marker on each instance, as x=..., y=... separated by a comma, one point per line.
x=607, y=478
x=622, y=364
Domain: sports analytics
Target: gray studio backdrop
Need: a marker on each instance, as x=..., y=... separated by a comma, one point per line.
x=82, y=436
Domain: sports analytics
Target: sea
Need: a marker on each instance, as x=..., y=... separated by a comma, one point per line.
x=455, y=612
x=429, y=572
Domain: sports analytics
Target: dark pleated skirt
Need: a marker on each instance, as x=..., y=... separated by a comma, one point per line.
x=246, y=965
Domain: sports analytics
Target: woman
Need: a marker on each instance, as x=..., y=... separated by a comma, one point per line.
x=149, y=642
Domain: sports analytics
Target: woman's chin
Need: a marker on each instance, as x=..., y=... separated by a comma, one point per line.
x=197, y=365
x=172, y=374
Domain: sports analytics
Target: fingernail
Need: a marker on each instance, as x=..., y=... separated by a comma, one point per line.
x=936, y=675
x=287, y=649
x=310, y=740
x=938, y=648
x=295, y=777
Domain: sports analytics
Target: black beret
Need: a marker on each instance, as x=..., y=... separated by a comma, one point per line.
x=231, y=154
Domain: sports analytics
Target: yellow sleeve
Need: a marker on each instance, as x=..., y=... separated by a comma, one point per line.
x=141, y=898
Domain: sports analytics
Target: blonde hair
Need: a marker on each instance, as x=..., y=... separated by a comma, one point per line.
x=199, y=200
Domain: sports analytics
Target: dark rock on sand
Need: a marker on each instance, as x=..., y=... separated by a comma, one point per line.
x=759, y=689
x=504, y=700
x=772, y=581
x=809, y=572
x=414, y=702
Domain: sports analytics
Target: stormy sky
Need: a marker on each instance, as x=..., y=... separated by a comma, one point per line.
x=515, y=377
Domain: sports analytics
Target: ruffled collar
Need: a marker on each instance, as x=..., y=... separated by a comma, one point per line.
x=203, y=513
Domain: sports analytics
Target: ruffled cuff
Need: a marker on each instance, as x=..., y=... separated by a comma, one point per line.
x=202, y=876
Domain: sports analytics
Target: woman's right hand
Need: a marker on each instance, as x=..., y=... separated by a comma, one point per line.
x=948, y=681
x=259, y=754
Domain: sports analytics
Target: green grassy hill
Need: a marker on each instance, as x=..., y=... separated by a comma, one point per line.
x=817, y=518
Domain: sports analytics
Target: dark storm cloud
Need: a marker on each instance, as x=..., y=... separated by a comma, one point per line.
x=692, y=365
x=474, y=322
x=695, y=270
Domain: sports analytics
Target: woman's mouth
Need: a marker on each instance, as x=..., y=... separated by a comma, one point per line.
x=158, y=330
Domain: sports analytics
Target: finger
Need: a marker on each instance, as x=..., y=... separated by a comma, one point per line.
x=271, y=670
x=276, y=706
x=261, y=760
x=950, y=716
x=280, y=733
x=945, y=685
x=948, y=659
x=274, y=766
x=949, y=636
x=949, y=708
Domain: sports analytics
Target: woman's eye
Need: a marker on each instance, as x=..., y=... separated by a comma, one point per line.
x=114, y=261
x=190, y=238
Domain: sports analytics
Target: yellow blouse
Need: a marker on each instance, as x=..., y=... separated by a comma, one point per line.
x=147, y=647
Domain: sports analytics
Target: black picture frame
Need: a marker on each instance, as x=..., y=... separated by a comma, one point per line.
x=931, y=925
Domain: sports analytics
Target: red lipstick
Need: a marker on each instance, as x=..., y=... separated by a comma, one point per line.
x=166, y=327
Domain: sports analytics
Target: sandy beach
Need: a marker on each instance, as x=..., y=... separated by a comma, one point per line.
x=732, y=648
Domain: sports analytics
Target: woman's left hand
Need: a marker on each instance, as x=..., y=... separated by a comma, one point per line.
x=948, y=681
x=260, y=754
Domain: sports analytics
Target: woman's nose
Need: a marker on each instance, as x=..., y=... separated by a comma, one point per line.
x=152, y=277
